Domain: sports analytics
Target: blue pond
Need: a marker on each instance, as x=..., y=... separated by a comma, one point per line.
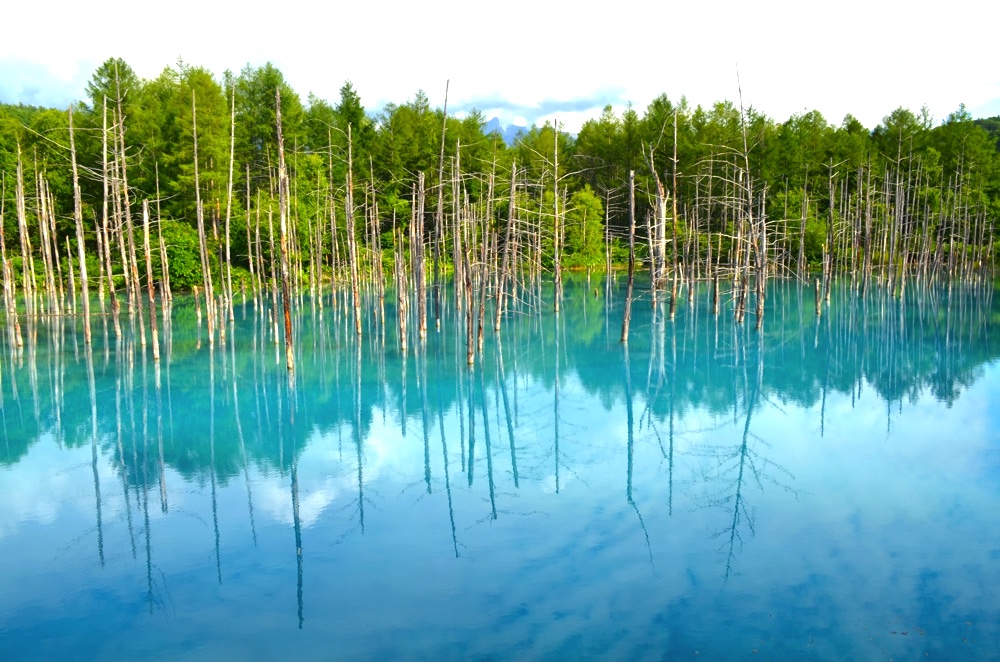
x=825, y=488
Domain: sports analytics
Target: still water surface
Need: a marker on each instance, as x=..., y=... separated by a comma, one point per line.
x=825, y=489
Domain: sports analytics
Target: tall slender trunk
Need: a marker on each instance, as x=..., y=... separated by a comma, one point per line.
x=417, y=256
x=105, y=233
x=673, y=202
x=229, y=203
x=78, y=220
x=27, y=266
x=283, y=228
x=164, y=262
x=126, y=199
x=206, y=271
x=149, y=281
x=505, y=267
x=556, y=238
x=352, y=238
x=72, y=277
x=631, y=255
x=133, y=265
x=439, y=224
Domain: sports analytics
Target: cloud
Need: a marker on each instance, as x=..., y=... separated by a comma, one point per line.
x=540, y=59
x=38, y=84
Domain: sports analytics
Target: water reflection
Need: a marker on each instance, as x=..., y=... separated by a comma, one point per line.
x=935, y=342
x=722, y=433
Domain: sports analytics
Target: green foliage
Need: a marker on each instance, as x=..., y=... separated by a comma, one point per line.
x=992, y=126
x=584, y=219
x=951, y=166
x=536, y=153
x=900, y=132
x=256, y=120
x=117, y=83
x=408, y=141
x=182, y=254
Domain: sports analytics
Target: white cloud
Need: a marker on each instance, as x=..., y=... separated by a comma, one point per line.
x=865, y=58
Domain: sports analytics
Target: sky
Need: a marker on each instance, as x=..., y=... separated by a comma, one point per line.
x=532, y=61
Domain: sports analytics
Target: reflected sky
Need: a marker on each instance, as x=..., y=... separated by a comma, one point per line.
x=822, y=490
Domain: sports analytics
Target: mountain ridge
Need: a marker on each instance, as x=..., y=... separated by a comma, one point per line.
x=509, y=132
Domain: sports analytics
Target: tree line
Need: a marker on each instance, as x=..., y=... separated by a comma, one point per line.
x=909, y=194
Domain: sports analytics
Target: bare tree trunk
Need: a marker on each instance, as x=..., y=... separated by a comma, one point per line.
x=457, y=234
x=556, y=265
x=470, y=352
x=631, y=255
x=46, y=246
x=9, y=298
x=126, y=201
x=673, y=202
x=761, y=280
x=164, y=263
x=149, y=281
x=229, y=203
x=27, y=263
x=802, y=267
x=259, y=255
x=831, y=246
x=53, y=234
x=283, y=226
x=352, y=239
x=485, y=257
x=72, y=276
x=402, y=296
x=866, y=261
x=133, y=264
x=275, y=267
x=715, y=293
x=100, y=264
x=78, y=219
x=438, y=227
x=505, y=265
x=652, y=242
x=655, y=231
x=378, y=267
x=710, y=271
x=334, y=243
x=251, y=258
x=206, y=270
x=417, y=257
x=819, y=298
x=607, y=247
x=105, y=236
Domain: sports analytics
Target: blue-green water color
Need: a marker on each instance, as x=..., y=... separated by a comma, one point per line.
x=826, y=488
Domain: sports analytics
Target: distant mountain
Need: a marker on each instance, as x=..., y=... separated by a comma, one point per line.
x=510, y=133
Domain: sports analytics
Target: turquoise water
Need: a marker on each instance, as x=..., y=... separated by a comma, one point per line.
x=825, y=489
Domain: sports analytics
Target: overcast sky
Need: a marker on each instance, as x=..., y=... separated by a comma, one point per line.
x=532, y=61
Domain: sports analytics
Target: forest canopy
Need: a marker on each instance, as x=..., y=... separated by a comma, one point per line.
x=811, y=171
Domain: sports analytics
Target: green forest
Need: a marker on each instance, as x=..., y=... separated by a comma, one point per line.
x=911, y=193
